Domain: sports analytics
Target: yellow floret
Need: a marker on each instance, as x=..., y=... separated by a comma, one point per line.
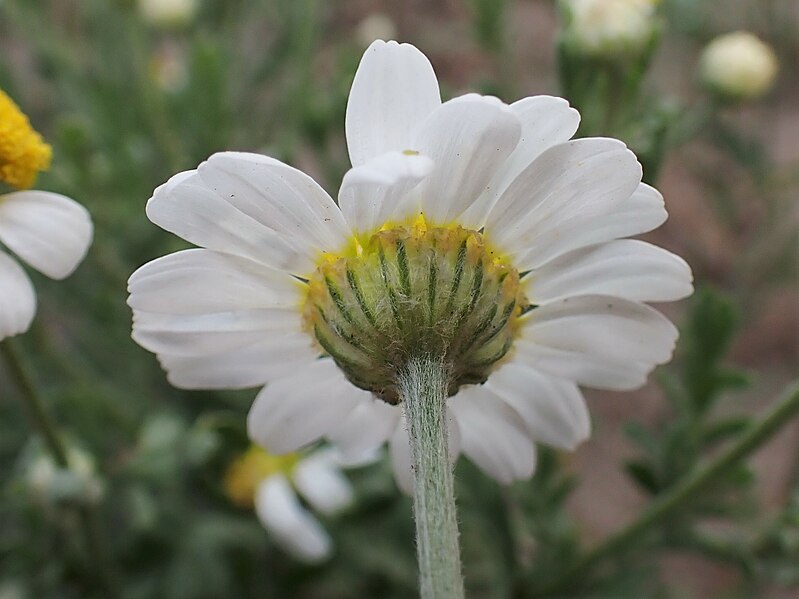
x=253, y=466
x=23, y=152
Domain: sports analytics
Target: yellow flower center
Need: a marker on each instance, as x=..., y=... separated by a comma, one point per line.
x=409, y=290
x=253, y=466
x=23, y=152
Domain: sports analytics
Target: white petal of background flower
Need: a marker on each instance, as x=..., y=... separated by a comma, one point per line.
x=296, y=409
x=492, y=435
x=279, y=510
x=322, y=484
x=553, y=410
x=371, y=194
x=394, y=89
x=467, y=138
x=626, y=268
x=17, y=299
x=49, y=231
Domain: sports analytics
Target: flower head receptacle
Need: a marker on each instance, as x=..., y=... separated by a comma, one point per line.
x=410, y=291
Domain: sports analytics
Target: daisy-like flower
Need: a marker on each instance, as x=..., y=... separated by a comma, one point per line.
x=270, y=484
x=50, y=232
x=468, y=230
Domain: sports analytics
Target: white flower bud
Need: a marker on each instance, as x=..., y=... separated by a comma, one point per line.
x=738, y=66
x=53, y=484
x=168, y=13
x=610, y=28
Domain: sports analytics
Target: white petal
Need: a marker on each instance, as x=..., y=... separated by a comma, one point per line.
x=188, y=207
x=573, y=179
x=598, y=341
x=201, y=281
x=366, y=428
x=641, y=212
x=209, y=334
x=17, y=298
x=280, y=512
x=467, y=138
x=394, y=89
x=253, y=206
x=243, y=367
x=371, y=194
x=49, y=231
x=299, y=408
x=323, y=485
x=492, y=435
x=626, y=268
x=279, y=196
x=553, y=410
x=546, y=121
x=219, y=321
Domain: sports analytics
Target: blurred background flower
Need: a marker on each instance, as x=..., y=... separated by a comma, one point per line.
x=739, y=66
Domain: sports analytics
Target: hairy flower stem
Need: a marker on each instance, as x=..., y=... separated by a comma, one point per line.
x=423, y=391
x=681, y=493
x=37, y=412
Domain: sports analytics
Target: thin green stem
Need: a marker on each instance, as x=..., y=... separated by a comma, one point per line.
x=423, y=391
x=681, y=493
x=46, y=426
x=33, y=404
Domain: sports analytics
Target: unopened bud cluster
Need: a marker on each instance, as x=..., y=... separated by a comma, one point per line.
x=414, y=291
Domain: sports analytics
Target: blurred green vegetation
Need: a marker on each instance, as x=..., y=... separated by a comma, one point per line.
x=126, y=104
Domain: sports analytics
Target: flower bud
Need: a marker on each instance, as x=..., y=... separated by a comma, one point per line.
x=738, y=66
x=610, y=28
x=54, y=485
x=168, y=13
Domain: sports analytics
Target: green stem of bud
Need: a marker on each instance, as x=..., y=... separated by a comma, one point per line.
x=34, y=405
x=102, y=569
x=423, y=388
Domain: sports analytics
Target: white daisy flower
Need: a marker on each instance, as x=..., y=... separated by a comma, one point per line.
x=48, y=231
x=469, y=229
x=271, y=485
